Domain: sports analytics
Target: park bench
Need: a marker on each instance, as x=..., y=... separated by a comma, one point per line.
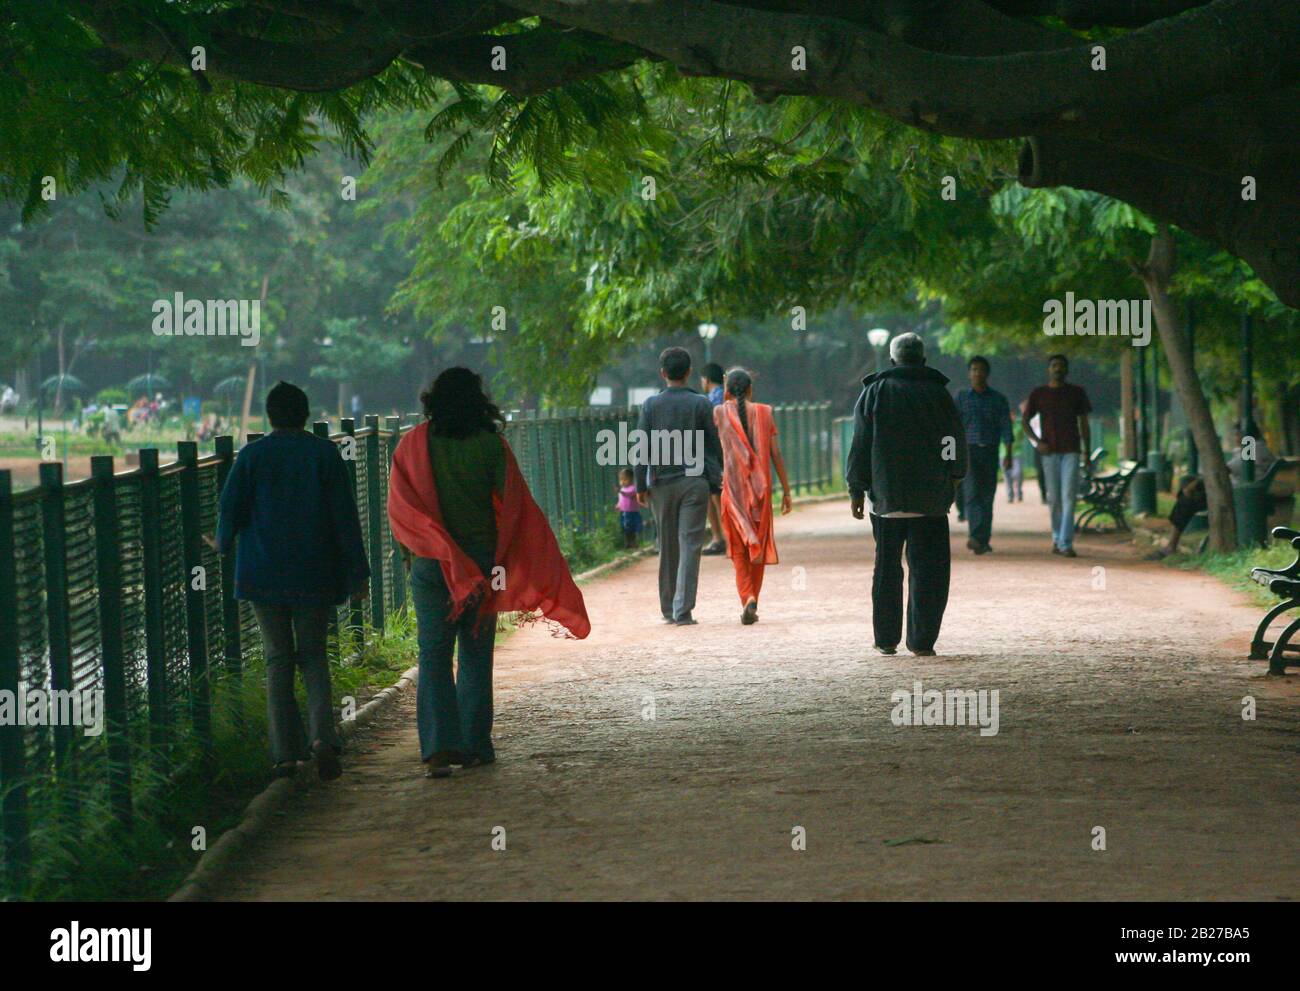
x=1285, y=584
x=1088, y=470
x=1106, y=495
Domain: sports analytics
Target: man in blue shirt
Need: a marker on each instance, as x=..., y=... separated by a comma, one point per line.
x=987, y=418
x=288, y=510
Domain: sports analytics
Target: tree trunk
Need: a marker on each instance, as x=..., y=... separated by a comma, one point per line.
x=1155, y=275
x=58, y=389
x=1291, y=420
x=1128, y=431
x=252, y=375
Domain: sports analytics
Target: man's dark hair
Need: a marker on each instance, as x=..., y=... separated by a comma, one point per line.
x=1052, y=358
x=287, y=407
x=979, y=359
x=676, y=363
x=713, y=373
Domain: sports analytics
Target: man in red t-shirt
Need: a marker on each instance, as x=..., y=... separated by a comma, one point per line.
x=1062, y=409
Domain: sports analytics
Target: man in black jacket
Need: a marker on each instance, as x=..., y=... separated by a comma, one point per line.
x=908, y=454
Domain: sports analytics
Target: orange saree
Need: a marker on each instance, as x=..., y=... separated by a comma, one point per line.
x=747, y=492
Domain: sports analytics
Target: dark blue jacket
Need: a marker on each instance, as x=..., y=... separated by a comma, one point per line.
x=289, y=503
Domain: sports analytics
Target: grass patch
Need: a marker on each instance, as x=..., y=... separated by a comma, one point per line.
x=1233, y=568
x=85, y=856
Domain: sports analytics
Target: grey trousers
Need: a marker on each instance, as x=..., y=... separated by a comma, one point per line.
x=681, y=510
x=295, y=636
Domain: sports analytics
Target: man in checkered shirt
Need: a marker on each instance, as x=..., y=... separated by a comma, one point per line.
x=987, y=418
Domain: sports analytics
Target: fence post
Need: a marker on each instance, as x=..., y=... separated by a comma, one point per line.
x=112, y=651
x=394, y=427
x=230, y=622
x=196, y=626
x=805, y=445
x=375, y=520
x=155, y=630
x=13, y=770
x=59, y=632
x=321, y=428
x=356, y=615
x=828, y=448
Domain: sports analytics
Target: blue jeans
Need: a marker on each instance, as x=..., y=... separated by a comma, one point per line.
x=1061, y=472
x=978, y=489
x=452, y=713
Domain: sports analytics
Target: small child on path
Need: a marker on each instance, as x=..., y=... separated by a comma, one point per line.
x=629, y=513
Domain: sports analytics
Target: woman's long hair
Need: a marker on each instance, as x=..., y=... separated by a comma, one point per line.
x=738, y=383
x=456, y=405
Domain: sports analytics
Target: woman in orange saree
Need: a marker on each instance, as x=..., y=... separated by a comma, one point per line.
x=749, y=449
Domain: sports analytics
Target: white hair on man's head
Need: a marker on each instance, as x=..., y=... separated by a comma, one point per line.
x=907, y=349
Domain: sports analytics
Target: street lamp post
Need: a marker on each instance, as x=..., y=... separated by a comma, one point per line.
x=879, y=338
x=708, y=331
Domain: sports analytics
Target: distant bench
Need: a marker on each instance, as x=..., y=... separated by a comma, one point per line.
x=1104, y=495
x=1285, y=584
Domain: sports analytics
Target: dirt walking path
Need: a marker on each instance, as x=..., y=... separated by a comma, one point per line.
x=1120, y=706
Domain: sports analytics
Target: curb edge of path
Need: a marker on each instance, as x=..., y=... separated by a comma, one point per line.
x=259, y=813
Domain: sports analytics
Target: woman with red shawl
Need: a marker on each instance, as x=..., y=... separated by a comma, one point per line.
x=749, y=449
x=476, y=544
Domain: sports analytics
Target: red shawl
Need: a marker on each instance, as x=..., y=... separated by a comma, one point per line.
x=536, y=574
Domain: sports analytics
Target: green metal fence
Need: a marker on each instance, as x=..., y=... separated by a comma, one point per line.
x=107, y=584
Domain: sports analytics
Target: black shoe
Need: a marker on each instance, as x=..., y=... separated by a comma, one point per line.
x=668, y=619
x=327, y=761
x=717, y=547
x=972, y=545
x=474, y=760
x=750, y=616
x=983, y=549
x=439, y=765
x=285, y=769
x=924, y=652
x=1055, y=549
x=1069, y=552
x=887, y=651
x=685, y=620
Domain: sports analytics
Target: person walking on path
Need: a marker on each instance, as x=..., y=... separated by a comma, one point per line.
x=676, y=481
x=288, y=511
x=476, y=544
x=1015, y=475
x=987, y=418
x=907, y=456
x=747, y=432
x=1063, y=409
x=711, y=383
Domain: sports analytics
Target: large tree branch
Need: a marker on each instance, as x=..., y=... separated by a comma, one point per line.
x=534, y=61
x=317, y=66
x=1260, y=231
x=1090, y=13
x=1149, y=71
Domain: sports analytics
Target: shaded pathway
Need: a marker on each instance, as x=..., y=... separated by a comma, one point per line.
x=1120, y=706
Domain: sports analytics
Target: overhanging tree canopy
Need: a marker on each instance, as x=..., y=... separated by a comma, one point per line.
x=1194, y=98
